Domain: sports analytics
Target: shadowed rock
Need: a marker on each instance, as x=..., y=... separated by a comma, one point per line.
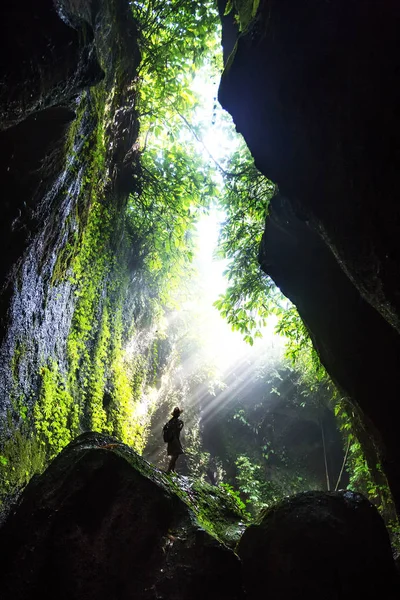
x=319, y=545
x=356, y=345
x=102, y=523
x=44, y=60
x=317, y=104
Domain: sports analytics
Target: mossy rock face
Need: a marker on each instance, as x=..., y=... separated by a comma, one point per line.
x=101, y=522
x=319, y=545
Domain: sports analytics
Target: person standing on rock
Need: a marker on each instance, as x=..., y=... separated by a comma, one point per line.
x=171, y=434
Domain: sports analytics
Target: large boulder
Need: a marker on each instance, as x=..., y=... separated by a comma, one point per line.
x=102, y=523
x=319, y=545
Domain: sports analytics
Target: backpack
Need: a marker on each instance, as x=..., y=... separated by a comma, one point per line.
x=168, y=432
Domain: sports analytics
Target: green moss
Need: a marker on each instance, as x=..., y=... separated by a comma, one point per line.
x=64, y=259
x=128, y=377
x=90, y=269
x=154, y=358
x=218, y=510
x=92, y=158
x=98, y=272
x=91, y=339
x=21, y=456
x=56, y=415
x=97, y=379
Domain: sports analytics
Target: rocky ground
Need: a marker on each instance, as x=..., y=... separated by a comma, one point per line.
x=101, y=522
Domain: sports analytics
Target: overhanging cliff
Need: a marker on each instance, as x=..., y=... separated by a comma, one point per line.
x=314, y=89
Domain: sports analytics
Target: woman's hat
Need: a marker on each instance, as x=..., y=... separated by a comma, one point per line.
x=176, y=412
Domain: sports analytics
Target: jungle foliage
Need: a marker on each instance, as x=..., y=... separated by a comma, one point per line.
x=251, y=296
x=177, y=184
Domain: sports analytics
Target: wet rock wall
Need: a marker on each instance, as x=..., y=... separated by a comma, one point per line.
x=68, y=164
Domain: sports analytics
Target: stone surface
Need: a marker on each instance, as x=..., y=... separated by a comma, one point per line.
x=45, y=60
x=319, y=545
x=101, y=523
x=45, y=63
x=354, y=342
x=318, y=106
x=50, y=53
x=74, y=57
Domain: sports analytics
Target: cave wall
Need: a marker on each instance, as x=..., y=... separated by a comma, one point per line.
x=68, y=162
x=313, y=87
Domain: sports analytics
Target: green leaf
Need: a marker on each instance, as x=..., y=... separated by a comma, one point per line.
x=228, y=7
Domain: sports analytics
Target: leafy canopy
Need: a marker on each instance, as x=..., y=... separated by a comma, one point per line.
x=177, y=183
x=251, y=295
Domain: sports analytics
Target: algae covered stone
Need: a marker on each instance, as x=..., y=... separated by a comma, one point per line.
x=101, y=522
